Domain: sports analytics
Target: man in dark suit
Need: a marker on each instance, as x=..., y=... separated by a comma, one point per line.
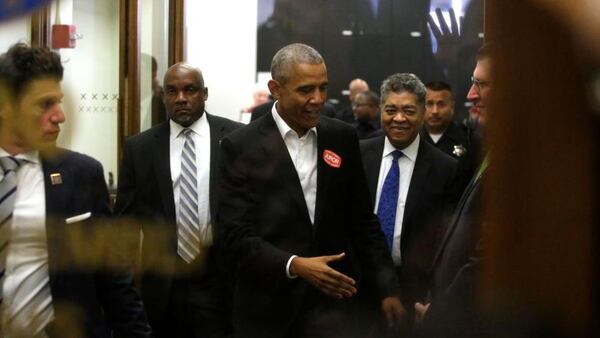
x=452, y=311
x=295, y=214
x=55, y=278
x=366, y=110
x=422, y=189
x=440, y=129
x=355, y=87
x=168, y=187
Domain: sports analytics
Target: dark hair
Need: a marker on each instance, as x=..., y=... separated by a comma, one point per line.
x=22, y=64
x=404, y=82
x=438, y=86
x=371, y=96
x=486, y=50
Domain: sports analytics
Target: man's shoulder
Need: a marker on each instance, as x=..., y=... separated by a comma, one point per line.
x=222, y=122
x=73, y=161
x=149, y=134
x=437, y=156
x=372, y=143
x=457, y=132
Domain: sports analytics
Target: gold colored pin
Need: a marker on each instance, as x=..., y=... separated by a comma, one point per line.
x=56, y=179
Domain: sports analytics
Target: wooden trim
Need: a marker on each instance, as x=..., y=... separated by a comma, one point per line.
x=40, y=27
x=176, y=31
x=129, y=71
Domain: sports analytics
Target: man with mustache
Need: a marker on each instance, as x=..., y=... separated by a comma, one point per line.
x=412, y=183
x=167, y=188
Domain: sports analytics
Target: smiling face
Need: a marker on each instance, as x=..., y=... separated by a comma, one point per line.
x=401, y=118
x=185, y=94
x=301, y=97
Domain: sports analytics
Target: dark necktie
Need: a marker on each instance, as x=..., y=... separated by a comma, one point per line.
x=388, y=200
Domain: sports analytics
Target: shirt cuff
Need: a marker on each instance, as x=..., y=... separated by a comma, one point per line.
x=287, y=268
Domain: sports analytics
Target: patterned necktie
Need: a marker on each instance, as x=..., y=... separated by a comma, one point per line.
x=8, y=192
x=388, y=200
x=188, y=223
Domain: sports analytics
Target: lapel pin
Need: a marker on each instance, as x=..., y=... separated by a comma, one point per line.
x=459, y=150
x=56, y=179
x=334, y=160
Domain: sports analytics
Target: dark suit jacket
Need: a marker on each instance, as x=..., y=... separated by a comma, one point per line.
x=145, y=197
x=87, y=295
x=452, y=312
x=432, y=194
x=264, y=221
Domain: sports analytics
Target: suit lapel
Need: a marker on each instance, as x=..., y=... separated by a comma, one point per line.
x=275, y=149
x=58, y=194
x=162, y=165
x=415, y=188
x=217, y=131
x=322, y=171
x=459, y=208
x=373, y=156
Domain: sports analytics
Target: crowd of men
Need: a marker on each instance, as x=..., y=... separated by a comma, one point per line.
x=295, y=225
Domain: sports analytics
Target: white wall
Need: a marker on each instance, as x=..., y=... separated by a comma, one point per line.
x=13, y=31
x=221, y=41
x=91, y=80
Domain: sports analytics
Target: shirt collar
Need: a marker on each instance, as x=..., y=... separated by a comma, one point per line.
x=32, y=156
x=410, y=152
x=283, y=127
x=199, y=127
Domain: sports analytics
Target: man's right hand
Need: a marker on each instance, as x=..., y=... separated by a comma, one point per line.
x=317, y=272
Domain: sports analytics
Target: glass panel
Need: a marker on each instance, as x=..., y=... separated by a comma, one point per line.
x=91, y=80
x=154, y=62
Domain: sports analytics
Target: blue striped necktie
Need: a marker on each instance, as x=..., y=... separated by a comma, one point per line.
x=188, y=223
x=8, y=192
x=388, y=200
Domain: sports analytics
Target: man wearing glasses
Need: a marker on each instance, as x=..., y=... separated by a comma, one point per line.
x=452, y=311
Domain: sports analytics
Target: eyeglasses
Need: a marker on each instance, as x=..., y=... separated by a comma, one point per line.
x=479, y=83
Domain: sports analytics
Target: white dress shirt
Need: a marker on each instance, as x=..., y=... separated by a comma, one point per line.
x=28, y=248
x=303, y=152
x=436, y=137
x=407, y=165
x=201, y=137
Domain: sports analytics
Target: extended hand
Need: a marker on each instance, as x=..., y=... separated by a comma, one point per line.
x=317, y=272
x=447, y=37
x=420, y=311
x=393, y=310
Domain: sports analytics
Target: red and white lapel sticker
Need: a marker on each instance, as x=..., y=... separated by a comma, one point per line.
x=331, y=158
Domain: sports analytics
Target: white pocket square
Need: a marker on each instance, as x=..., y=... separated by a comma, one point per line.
x=78, y=218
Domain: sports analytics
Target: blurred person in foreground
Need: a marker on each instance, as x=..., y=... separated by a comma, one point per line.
x=56, y=276
x=452, y=310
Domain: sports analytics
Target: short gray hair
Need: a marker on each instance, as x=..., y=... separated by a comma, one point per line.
x=403, y=82
x=293, y=54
